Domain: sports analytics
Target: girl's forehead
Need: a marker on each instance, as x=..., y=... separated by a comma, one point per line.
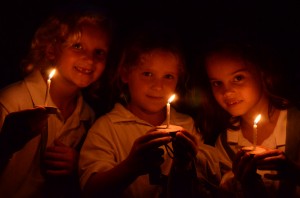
x=228, y=60
x=159, y=58
x=157, y=53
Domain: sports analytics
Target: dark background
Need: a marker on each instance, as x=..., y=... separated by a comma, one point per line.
x=274, y=23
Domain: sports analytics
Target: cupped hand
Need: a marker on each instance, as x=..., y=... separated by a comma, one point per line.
x=277, y=161
x=145, y=153
x=60, y=160
x=185, y=146
x=244, y=167
x=20, y=127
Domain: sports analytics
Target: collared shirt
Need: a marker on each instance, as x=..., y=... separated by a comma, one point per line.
x=22, y=176
x=110, y=140
x=276, y=140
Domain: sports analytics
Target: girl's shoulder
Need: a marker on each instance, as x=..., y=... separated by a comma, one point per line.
x=15, y=96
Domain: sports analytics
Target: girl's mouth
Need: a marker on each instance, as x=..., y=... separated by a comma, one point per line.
x=83, y=70
x=232, y=102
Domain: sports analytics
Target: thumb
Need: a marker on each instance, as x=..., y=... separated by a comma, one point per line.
x=59, y=143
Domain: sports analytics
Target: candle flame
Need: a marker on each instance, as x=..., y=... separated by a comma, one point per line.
x=51, y=74
x=171, y=98
x=257, y=119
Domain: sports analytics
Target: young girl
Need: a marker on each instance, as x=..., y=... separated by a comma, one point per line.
x=123, y=147
x=242, y=86
x=39, y=151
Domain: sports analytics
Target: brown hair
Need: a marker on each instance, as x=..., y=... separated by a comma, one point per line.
x=142, y=42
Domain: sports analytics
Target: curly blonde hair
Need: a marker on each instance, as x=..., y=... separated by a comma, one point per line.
x=61, y=30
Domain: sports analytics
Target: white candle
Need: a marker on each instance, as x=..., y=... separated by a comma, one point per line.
x=48, y=86
x=168, y=109
x=255, y=131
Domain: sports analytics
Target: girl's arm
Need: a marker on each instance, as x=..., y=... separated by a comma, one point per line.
x=143, y=157
x=17, y=129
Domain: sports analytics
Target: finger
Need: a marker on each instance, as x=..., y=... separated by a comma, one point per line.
x=152, y=130
x=154, y=143
x=269, y=153
x=56, y=164
x=187, y=141
x=245, y=165
x=55, y=156
x=59, y=149
x=237, y=159
x=58, y=172
x=153, y=135
x=59, y=143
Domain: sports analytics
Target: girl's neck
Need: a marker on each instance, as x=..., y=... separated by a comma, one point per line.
x=155, y=119
x=64, y=98
x=265, y=126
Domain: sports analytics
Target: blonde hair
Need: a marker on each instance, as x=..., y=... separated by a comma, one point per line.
x=61, y=30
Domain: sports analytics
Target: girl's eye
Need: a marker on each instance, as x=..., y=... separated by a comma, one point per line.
x=149, y=74
x=100, y=52
x=169, y=76
x=77, y=46
x=216, y=83
x=238, y=78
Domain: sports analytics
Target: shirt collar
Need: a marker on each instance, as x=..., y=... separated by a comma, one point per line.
x=36, y=86
x=236, y=137
x=121, y=114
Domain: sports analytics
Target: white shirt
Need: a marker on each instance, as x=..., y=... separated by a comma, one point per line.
x=109, y=142
x=22, y=176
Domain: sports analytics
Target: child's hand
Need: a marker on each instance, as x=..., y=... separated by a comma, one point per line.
x=244, y=167
x=185, y=147
x=20, y=127
x=145, y=153
x=277, y=160
x=60, y=160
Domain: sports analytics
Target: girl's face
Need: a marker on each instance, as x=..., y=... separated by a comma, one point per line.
x=152, y=82
x=82, y=62
x=235, y=85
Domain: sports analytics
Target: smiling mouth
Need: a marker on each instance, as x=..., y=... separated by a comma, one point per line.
x=83, y=70
x=233, y=102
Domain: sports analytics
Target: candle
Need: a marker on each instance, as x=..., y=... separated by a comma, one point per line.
x=168, y=109
x=255, y=131
x=48, y=86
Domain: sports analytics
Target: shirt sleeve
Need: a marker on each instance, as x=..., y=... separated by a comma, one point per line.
x=98, y=151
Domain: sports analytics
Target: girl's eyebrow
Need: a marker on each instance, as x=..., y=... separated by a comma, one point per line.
x=233, y=73
x=240, y=70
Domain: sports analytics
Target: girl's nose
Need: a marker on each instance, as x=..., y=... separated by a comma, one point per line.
x=228, y=90
x=157, y=83
x=89, y=57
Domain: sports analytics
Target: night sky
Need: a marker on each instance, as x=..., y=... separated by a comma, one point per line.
x=273, y=23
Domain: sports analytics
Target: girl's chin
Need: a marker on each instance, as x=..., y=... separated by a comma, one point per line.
x=235, y=113
x=83, y=83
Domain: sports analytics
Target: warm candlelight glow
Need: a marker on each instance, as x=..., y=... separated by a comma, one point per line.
x=51, y=74
x=171, y=98
x=48, y=86
x=257, y=119
x=168, y=109
x=255, y=131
